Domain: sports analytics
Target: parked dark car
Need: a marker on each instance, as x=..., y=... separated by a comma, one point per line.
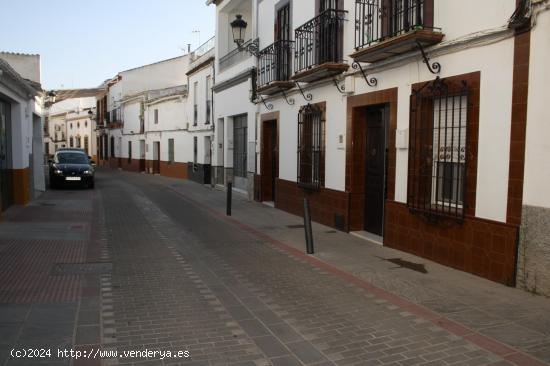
x=76, y=149
x=71, y=167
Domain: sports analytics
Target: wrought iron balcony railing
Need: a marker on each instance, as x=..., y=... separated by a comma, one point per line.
x=320, y=40
x=379, y=20
x=275, y=62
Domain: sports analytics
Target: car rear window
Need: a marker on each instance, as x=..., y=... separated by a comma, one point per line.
x=71, y=158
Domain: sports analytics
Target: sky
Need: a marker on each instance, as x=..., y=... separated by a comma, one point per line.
x=82, y=43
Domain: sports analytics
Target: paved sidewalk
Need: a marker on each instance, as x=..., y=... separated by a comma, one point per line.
x=47, y=303
x=503, y=320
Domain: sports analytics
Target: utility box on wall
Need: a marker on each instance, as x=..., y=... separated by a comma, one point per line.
x=402, y=139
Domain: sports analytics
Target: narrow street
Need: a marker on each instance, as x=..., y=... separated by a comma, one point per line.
x=160, y=270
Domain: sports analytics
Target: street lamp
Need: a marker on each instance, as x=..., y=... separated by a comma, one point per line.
x=238, y=27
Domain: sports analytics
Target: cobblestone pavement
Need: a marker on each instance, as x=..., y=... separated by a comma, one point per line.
x=186, y=279
x=47, y=303
x=147, y=263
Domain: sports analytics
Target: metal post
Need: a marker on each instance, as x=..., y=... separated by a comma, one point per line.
x=307, y=228
x=229, y=191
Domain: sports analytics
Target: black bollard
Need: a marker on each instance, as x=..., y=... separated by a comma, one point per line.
x=307, y=228
x=229, y=191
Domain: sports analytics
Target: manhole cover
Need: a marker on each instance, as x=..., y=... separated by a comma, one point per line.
x=295, y=226
x=81, y=268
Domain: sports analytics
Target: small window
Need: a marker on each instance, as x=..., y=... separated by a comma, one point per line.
x=86, y=144
x=156, y=116
x=208, y=98
x=78, y=124
x=438, y=149
x=85, y=123
x=71, y=142
x=311, y=149
x=129, y=152
x=170, y=151
x=195, y=103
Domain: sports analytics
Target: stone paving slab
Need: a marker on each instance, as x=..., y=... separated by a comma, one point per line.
x=39, y=308
x=442, y=290
x=337, y=320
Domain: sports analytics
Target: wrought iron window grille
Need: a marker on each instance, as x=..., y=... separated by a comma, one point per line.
x=311, y=148
x=438, y=150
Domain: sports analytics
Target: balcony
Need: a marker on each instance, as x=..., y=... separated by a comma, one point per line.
x=236, y=56
x=274, y=68
x=386, y=28
x=319, y=44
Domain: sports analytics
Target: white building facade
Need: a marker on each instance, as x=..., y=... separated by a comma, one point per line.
x=21, y=129
x=200, y=113
x=235, y=115
x=71, y=123
x=401, y=123
x=534, y=245
x=142, y=109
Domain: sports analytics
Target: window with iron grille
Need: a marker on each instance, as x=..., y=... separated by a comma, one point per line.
x=311, y=148
x=112, y=146
x=208, y=98
x=195, y=103
x=240, y=152
x=156, y=116
x=438, y=153
x=170, y=151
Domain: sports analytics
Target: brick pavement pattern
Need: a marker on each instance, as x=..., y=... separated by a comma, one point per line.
x=184, y=279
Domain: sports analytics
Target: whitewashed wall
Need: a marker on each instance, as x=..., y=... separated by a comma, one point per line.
x=495, y=62
x=537, y=151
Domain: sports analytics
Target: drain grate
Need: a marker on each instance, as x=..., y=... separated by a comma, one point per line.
x=60, y=269
x=47, y=204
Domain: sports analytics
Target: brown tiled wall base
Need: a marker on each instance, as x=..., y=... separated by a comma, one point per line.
x=21, y=180
x=173, y=170
x=324, y=203
x=482, y=247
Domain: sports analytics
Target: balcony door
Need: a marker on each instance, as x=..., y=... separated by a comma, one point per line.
x=283, y=29
x=328, y=4
x=328, y=43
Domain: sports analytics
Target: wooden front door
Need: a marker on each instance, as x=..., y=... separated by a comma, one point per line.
x=156, y=157
x=375, y=169
x=270, y=160
x=141, y=155
x=6, y=198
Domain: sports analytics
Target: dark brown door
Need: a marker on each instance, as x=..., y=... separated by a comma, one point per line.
x=270, y=160
x=156, y=158
x=375, y=175
x=6, y=197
